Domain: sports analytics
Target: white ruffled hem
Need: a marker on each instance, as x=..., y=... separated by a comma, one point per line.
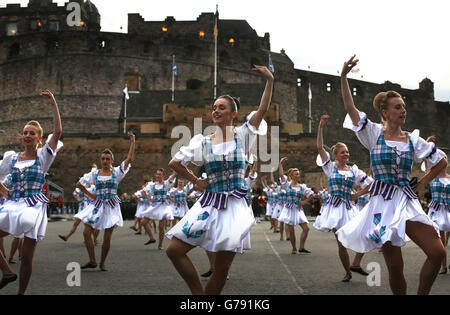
x=331, y=217
x=19, y=220
x=216, y=230
x=383, y=221
x=101, y=218
x=293, y=216
x=158, y=212
x=441, y=218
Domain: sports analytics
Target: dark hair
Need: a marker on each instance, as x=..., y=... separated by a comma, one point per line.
x=108, y=151
x=234, y=102
x=161, y=170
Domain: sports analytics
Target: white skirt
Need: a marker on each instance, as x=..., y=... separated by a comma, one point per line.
x=141, y=207
x=101, y=218
x=441, y=217
x=292, y=216
x=383, y=221
x=216, y=230
x=158, y=211
x=19, y=220
x=180, y=211
x=269, y=208
x=277, y=210
x=334, y=217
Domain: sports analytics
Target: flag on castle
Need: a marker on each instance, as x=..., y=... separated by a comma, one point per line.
x=174, y=67
x=271, y=67
x=125, y=91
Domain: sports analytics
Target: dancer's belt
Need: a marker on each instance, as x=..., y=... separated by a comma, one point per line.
x=439, y=206
x=111, y=202
x=220, y=200
x=336, y=201
x=388, y=190
x=292, y=206
x=33, y=200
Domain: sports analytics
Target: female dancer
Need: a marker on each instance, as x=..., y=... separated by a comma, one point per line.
x=179, y=195
x=160, y=209
x=271, y=203
x=393, y=213
x=83, y=203
x=104, y=212
x=142, y=204
x=340, y=209
x=292, y=213
x=220, y=220
x=24, y=214
x=439, y=207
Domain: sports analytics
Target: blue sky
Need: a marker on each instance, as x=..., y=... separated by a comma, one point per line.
x=396, y=40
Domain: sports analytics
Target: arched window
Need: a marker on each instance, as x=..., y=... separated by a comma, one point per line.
x=329, y=87
x=299, y=82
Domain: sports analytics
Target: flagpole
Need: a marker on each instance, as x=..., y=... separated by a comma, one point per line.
x=309, y=116
x=125, y=117
x=173, y=79
x=215, y=51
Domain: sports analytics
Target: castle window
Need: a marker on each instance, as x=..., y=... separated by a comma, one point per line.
x=193, y=84
x=201, y=34
x=329, y=87
x=164, y=29
x=11, y=29
x=36, y=25
x=133, y=81
x=355, y=91
x=299, y=82
x=14, y=50
x=231, y=41
x=53, y=26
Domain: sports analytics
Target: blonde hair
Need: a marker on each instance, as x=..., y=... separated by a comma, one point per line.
x=336, y=147
x=381, y=101
x=36, y=124
x=292, y=170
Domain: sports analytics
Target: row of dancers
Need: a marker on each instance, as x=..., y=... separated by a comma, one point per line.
x=221, y=220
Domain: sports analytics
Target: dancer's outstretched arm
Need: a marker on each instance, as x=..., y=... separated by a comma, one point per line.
x=57, y=126
x=323, y=154
x=266, y=97
x=346, y=93
x=280, y=168
x=131, y=151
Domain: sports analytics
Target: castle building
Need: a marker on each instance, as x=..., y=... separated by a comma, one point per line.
x=88, y=69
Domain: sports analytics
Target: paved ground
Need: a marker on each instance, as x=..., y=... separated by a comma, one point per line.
x=268, y=269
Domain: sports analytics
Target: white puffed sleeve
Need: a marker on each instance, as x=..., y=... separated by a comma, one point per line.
x=191, y=153
x=284, y=182
x=120, y=170
x=247, y=132
x=148, y=189
x=327, y=166
x=6, y=163
x=47, y=155
x=361, y=178
x=88, y=179
x=425, y=150
x=367, y=132
x=306, y=191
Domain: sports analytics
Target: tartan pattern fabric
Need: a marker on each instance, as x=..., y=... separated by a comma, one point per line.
x=324, y=195
x=180, y=197
x=341, y=185
x=440, y=193
x=160, y=194
x=294, y=197
x=363, y=200
x=271, y=196
x=385, y=165
x=226, y=173
x=106, y=190
x=27, y=182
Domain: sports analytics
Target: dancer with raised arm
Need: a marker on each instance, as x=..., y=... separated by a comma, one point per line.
x=339, y=209
x=104, y=212
x=292, y=213
x=24, y=214
x=394, y=214
x=439, y=207
x=220, y=220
